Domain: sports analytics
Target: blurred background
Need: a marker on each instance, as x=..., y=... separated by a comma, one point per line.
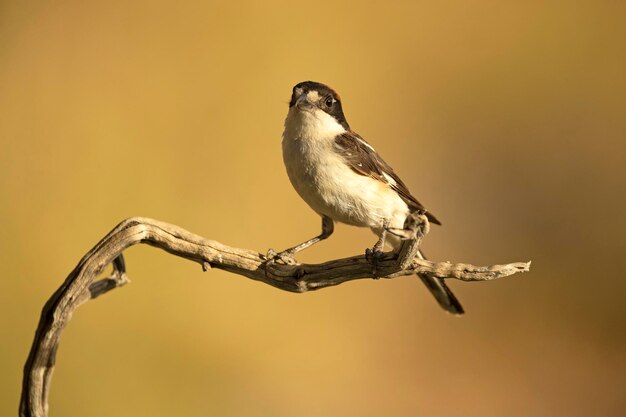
x=505, y=119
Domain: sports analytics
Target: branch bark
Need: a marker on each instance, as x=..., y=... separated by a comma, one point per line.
x=82, y=285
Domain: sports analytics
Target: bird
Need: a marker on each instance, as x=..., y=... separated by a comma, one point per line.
x=343, y=179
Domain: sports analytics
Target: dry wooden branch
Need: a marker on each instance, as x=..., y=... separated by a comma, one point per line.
x=81, y=284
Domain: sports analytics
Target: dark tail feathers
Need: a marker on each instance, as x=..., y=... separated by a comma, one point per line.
x=441, y=292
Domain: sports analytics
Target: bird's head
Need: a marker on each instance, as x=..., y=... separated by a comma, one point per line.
x=316, y=108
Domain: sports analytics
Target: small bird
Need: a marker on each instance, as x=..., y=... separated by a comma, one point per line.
x=342, y=178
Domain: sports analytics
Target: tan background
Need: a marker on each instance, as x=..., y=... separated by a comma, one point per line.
x=507, y=121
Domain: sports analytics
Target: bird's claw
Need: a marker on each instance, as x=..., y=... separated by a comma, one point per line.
x=416, y=224
x=374, y=256
x=285, y=257
x=404, y=234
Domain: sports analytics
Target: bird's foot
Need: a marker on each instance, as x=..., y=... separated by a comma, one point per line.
x=416, y=224
x=404, y=234
x=285, y=257
x=374, y=256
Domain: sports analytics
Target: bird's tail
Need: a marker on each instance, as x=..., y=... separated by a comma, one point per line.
x=440, y=291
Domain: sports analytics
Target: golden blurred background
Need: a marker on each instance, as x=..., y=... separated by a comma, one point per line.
x=506, y=119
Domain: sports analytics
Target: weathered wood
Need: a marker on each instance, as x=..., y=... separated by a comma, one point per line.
x=81, y=284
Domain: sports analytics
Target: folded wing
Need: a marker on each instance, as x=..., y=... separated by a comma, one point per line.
x=364, y=160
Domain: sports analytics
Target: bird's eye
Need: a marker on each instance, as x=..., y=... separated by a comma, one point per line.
x=329, y=101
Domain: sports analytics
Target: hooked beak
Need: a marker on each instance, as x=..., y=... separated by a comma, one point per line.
x=303, y=103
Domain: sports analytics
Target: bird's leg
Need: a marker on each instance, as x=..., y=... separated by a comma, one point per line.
x=374, y=254
x=415, y=224
x=286, y=256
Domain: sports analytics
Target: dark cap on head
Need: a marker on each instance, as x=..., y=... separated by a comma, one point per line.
x=329, y=100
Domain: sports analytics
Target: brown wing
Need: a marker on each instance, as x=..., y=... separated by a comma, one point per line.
x=364, y=160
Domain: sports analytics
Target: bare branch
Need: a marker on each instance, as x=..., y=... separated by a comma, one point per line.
x=81, y=285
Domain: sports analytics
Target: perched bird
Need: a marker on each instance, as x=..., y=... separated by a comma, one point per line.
x=342, y=178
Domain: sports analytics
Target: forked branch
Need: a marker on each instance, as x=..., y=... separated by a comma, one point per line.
x=82, y=285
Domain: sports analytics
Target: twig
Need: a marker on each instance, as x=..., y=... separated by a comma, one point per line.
x=81, y=285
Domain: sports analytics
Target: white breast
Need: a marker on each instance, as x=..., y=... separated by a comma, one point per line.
x=323, y=179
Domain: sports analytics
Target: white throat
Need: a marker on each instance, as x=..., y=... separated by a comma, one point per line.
x=311, y=125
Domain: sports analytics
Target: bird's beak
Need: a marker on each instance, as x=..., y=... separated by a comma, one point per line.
x=303, y=103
